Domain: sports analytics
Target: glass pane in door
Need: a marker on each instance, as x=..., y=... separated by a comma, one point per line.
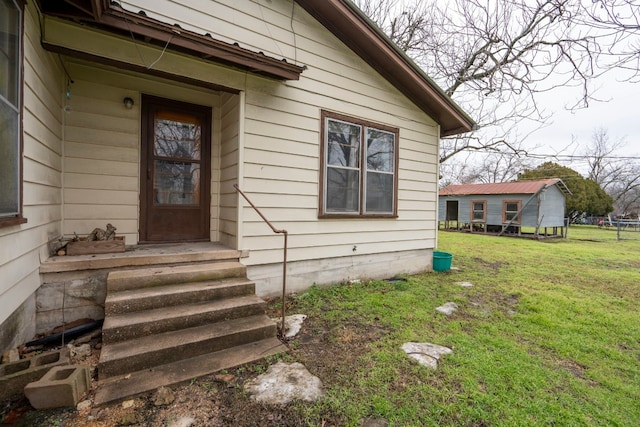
x=177, y=159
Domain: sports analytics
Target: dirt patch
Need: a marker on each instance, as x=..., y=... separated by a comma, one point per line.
x=327, y=350
x=495, y=266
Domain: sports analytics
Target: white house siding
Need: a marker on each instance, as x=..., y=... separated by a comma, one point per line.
x=102, y=146
x=280, y=149
x=22, y=247
x=229, y=160
x=273, y=150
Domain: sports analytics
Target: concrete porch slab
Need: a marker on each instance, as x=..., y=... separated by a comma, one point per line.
x=142, y=255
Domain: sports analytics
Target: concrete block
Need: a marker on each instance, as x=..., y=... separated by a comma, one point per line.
x=16, y=375
x=61, y=387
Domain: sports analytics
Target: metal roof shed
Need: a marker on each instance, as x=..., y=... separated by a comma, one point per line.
x=505, y=207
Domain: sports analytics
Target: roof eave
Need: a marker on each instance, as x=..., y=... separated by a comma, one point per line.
x=347, y=22
x=113, y=18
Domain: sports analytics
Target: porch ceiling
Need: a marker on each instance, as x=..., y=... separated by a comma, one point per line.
x=111, y=17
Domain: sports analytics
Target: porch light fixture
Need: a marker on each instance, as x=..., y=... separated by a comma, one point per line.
x=128, y=103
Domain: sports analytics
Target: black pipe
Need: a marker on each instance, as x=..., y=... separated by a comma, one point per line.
x=66, y=336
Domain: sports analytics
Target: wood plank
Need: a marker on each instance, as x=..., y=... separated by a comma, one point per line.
x=83, y=247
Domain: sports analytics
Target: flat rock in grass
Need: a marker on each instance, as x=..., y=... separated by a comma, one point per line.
x=447, y=308
x=284, y=382
x=425, y=353
x=465, y=284
x=292, y=324
x=181, y=422
x=375, y=422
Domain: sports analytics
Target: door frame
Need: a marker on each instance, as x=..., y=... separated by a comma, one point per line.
x=149, y=105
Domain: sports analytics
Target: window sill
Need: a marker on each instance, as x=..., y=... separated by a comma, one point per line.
x=10, y=222
x=355, y=216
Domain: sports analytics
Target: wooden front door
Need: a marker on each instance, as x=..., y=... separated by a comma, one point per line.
x=175, y=171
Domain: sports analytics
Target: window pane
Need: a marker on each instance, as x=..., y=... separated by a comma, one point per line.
x=10, y=20
x=478, y=215
x=343, y=144
x=379, y=192
x=176, y=183
x=9, y=161
x=177, y=136
x=478, y=206
x=512, y=207
x=380, y=146
x=343, y=190
x=510, y=215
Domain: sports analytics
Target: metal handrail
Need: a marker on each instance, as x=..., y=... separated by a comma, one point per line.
x=284, y=263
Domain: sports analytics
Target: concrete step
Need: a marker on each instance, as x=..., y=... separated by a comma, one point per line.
x=167, y=347
x=161, y=276
x=124, y=386
x=184, y=293
x=143, y=256
x=117, y=328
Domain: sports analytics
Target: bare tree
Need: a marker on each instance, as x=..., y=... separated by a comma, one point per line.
x=501, y=167
x=602, y=168
x=619, y=21
x=615, y=169
x=494, y=58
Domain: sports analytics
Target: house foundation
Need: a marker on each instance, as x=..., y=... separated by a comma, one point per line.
x=301, y=275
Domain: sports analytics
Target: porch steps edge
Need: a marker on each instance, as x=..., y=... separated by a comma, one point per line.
x=133, y=355
x=118, y=388
x=159, y=276
x=110, y=261
x=134, y=300
x=129, y=326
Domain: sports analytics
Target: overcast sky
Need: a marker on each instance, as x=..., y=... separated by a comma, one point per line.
x=618, y=113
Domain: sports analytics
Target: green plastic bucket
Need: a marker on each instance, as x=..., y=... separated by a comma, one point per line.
x=441, y=261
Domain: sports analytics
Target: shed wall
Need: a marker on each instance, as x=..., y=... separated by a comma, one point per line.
x=552, y=207
x=547, y=208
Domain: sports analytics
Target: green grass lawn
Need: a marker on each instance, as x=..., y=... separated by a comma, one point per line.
x=548, y=335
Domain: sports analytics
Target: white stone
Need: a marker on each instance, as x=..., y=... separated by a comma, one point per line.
x=293, y=324
x=426, y=354
x=284, y=382
x=127, y=404
x=448, y=308
x=465, y=284
x=163, y=396
x=181, y=422
x=85, y=404
x=79, y=352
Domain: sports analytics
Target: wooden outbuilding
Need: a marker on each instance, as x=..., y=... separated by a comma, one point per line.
x=505, y=208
